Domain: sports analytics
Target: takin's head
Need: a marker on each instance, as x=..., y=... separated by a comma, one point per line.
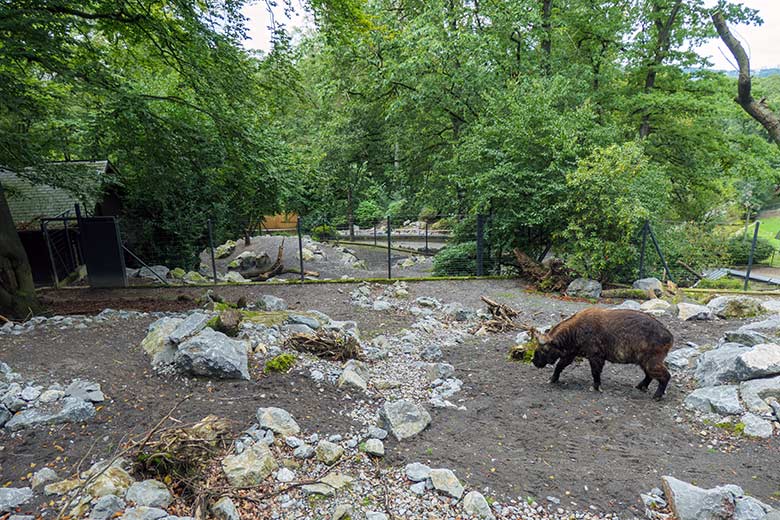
x=546, y=353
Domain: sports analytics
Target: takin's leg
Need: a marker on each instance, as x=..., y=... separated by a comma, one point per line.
x=562, y=363
x=645, y=382
x=659, y=372
x=596, y=366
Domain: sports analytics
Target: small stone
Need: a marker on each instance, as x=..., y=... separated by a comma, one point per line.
x=30, y=393
x=285, y=475
x=404, y=418
x=417, y=472
x=250, y=467
x=445, y=481
x=277, y=420
x=42, y=477
x=476, y=506
x=328, y=452
x=692, y=311
x=377, y=433
x=755, y=426
x=144, y=513
x=62, y=487
x=303, y=452
x=106, y=507
x=375, y=515
x=152, y=493
x=343, y=512
x=418, y=488
x=375, y=447
x=225, y=509
x=293, y=442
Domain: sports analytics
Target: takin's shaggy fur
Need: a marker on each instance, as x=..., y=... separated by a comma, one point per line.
x=600, y=335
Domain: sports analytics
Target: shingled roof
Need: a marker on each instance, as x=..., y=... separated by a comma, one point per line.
x=82, y=183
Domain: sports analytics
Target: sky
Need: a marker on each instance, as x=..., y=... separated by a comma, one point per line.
x=762, y=42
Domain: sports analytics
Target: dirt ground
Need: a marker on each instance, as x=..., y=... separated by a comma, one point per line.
x=520, y=436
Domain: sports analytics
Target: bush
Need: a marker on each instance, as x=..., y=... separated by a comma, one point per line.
x=457, y=260
x=324, y=232
x=722, y=283
x=281, y=363
x=368, y=213
x=428, y=214
x=738, y=250
x=699, y=247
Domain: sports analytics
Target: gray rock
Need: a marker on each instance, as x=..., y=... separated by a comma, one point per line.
x=225, y=509
x=458, y=312
x=375, y=447
x=11, y=498
x=584, y=288
x=693, y=311
x=354, y=374
x=49, y=396
x=431, y=352
x=445, y=481
x=144, y=513
x=755, y=391
x=85, y=390
x=630, y=305
x=152, y=493
x=417, y=472
x=755, y=426
x=404, y=418
x=768, y=327
x=690, y=502
x=42, y=477
x=285, y=475
x=250, y=467
x=681, y=358
x=267, y=302
x=655, y=305
x=278, y=421
x=157, y=344
x=382, y=305
x=68, y=410
x=191, y=325
x=435, y=371
x=297, y=328
x=106, y=507
x=760, y=361
x=748, y=338
x=328, y=452
x=649, y=284
x=749, y=508
x=476, y=506
x=300, y=319
x=213, y=354
x=150, y=272
x=343, y=512
x=293, y=441
x=30, y=393
x=377, y=433
x=719, y=399
x=303, y=452
x=375, y=515
x=5, y=415
x=418, y=488
x=736, y=307
x=719, y=365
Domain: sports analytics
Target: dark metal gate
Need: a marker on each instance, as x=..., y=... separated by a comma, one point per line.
x=101, y=245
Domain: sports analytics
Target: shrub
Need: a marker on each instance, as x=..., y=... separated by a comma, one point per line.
x=280, y=363
x=699, y=247
x=368, y=213
x=457, y=260
x=324, y=232
x=722, y=283
x=428, y=214
x=738, y=249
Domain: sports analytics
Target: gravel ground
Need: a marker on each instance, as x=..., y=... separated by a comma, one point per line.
x=518, y=436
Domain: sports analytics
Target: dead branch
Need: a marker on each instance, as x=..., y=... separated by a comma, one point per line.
x=502, y=318
x=553, y=277
x=327, y=344
x=277, y=267
x=758, y=110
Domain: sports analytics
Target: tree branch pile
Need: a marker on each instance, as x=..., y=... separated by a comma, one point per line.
x=502, y=318
x=327, y=344
x=554, y=277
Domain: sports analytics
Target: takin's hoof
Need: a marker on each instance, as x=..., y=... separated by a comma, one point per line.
x=641, y=388
x=657, y=397
x=554, y=381
x=596, y=389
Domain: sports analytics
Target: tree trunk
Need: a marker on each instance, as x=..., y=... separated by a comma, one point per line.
x=758, y=110
x=350, y=214
x=546, y=36
x=17, y=291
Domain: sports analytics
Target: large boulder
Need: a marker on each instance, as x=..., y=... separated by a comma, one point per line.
x=722, y=399
x=191, y=325
x=157, y=344
x=755, y=392
x=693, y=311
x=650, y=284
x=404, y=418
x=689, y=502
x=736, y=307
x=768, y=327
x=760, y=361
x=212, y=354
x=278, y=421
x=250, y=467
x=719, y=365
x=250, y=261
x=748, y=338
x=67, y=410
x=584, y=288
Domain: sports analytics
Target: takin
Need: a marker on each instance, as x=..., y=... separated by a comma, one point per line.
x=614, y=335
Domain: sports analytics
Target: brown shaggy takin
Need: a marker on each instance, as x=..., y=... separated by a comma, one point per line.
x=614, y=335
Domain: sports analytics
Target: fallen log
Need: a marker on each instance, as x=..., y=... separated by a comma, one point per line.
x=553, y=277
x=276, y=269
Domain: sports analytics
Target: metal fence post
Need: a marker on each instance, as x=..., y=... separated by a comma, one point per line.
x=480, y=245
x=642, y=250
x=211, y=248
x=750, y=257
x=374, y=234
x=426, y=235
x=389, y=243
x=660, y=254
x=300, y=245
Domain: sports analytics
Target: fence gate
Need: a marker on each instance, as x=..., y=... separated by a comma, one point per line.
x=101, y=245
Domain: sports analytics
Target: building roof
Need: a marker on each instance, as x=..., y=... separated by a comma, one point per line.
x=30, y=196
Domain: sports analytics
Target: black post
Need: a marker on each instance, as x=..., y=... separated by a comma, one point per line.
x=211, y=248
x=480, y=245
x=374, y=234
x=750, y=258
x=46, y=237
x=642, y=250
x=658, y=250
x=389, y=244
x=300, y=246
x=426, y=236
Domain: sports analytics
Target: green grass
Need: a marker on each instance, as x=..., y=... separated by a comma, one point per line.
x=768, y=229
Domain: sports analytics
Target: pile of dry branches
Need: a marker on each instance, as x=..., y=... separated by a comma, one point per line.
x=328, y=344
x=553, y=277
x=502, y=320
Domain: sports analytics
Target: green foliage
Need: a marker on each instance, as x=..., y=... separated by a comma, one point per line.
x=324, y=232
x=722, y=283
x=428, y=214
x=281, y=363
x=368, y=213
x=456, y=260
x=738, y=250
x=612, y=192
x=699, y=246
